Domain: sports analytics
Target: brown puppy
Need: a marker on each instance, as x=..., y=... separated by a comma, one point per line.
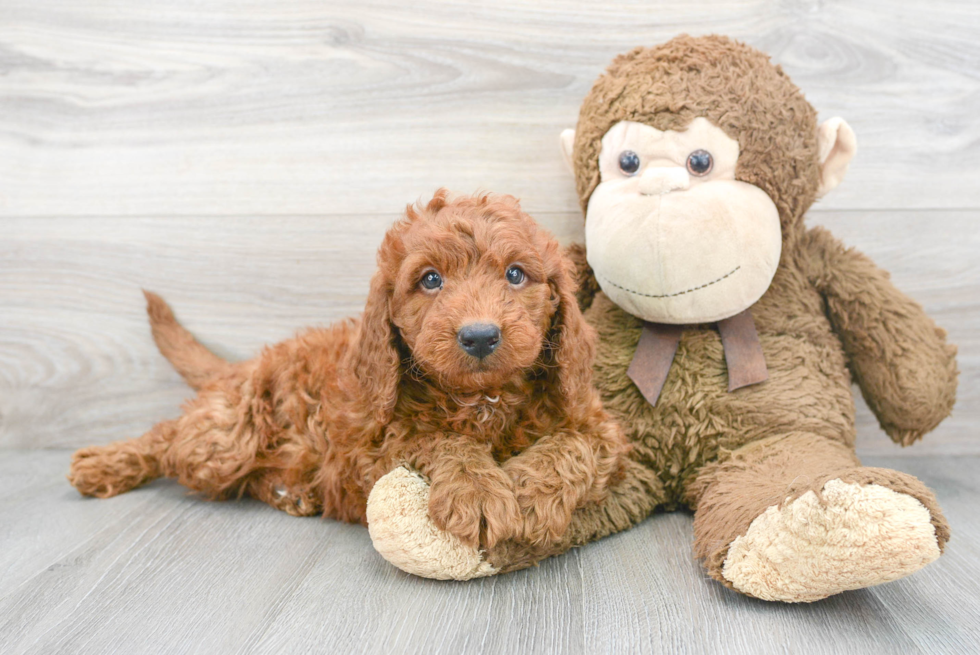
x=471, y=364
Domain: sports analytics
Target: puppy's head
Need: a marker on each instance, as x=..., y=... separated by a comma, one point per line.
x=476, y=295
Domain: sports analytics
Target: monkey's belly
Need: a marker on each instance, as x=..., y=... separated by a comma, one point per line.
x=808, y=390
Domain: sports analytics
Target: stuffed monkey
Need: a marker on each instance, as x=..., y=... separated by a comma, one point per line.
x=729, y=337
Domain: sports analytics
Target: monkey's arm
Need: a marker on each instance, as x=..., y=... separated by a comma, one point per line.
x=898, y=356
x=588, y=287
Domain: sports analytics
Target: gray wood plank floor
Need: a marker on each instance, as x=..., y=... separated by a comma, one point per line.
x=243, y=158
x=157, y=571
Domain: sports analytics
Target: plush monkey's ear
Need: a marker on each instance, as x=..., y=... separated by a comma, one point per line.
x=837, y=144
x=567, y=146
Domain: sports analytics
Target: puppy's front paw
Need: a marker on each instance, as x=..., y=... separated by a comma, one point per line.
x=546, y=513
x=502, y=514
x=479, y=512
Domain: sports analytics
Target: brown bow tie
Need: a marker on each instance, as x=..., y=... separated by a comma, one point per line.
x=658, y=345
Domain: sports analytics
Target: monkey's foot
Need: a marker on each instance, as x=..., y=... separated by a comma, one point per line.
x=855, y=536
x=403, y=533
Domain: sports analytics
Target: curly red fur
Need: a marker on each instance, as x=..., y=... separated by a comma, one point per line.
x=512, y=444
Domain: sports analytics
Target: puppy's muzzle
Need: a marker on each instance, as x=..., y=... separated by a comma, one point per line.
x=478, y=339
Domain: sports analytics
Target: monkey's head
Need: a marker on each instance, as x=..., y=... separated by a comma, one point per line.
x=695, y=162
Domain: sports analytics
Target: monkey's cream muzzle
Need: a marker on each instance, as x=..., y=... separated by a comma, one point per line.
x=691, y=256
x=658, y=180
x=672, y=247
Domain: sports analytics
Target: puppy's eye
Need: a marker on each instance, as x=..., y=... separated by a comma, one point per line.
x=431, y=281
x=515, y=275
x=700, y=162
x=629, y=162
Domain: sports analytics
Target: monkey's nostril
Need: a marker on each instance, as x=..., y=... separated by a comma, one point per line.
x=478, y=339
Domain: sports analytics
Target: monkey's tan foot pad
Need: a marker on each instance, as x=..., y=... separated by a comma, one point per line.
x=403, y=533
x=856, y=536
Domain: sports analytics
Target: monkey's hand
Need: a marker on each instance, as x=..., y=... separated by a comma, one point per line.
x=897, y=354
x=404, y=534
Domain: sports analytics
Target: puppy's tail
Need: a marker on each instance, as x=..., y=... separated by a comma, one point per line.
x=195, y=363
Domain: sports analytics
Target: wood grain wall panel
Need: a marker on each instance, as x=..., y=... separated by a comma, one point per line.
x=124, y=107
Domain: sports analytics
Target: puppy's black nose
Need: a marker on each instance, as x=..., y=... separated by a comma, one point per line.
x=478, y=339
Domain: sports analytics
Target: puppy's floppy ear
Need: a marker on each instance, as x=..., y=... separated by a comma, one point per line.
x=374, y=359
x=571, y=340
x=587, y=286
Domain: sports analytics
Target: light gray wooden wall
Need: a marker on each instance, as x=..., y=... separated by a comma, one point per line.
x=244, y=157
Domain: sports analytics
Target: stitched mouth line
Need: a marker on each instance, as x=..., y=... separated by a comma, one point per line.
x=671, y=295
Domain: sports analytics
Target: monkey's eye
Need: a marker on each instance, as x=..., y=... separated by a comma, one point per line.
x=515, y=275
x=431, y=281
x=700, y=163
x=629, y=162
